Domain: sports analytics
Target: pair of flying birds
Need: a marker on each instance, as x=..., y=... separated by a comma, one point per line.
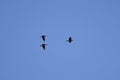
x=44, y=45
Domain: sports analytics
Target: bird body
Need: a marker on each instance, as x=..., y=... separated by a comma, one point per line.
x=43, y=37
x=70, y=39
x=43, y=46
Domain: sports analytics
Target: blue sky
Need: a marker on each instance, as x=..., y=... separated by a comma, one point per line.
x=94, y=26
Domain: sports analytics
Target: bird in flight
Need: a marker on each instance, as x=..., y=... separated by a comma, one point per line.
x=70, y=39
x=43, y=46
x=43, y=37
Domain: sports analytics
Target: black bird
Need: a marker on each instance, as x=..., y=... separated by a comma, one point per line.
x=43, y=37
x=43, y=46
x=70, y=39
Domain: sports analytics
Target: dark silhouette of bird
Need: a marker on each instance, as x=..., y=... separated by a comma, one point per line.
x=70, y=39
x=43, y=37
x=43, y=46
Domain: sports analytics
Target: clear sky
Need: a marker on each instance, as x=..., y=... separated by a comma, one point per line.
x=94, y=26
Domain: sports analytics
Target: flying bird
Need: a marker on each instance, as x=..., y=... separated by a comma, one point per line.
x=43, y=46
x=43, y=37
x=70, y=39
